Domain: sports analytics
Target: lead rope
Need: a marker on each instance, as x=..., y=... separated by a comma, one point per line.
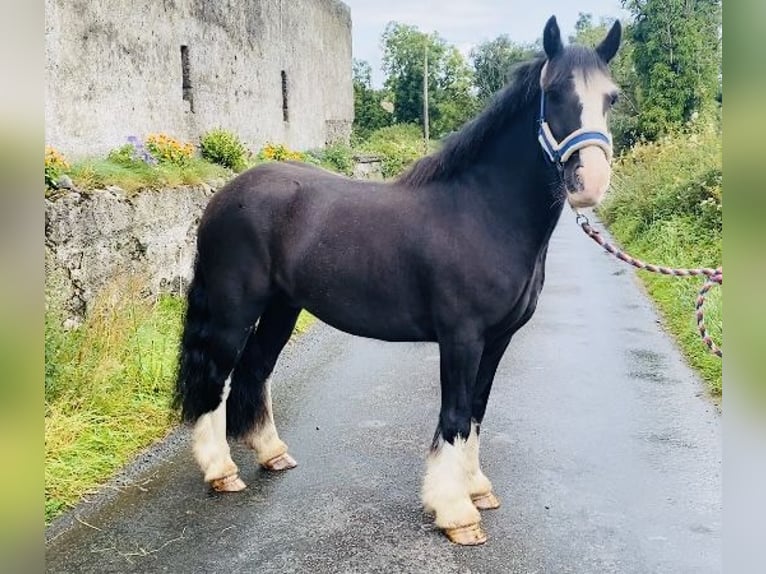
x=712, y=277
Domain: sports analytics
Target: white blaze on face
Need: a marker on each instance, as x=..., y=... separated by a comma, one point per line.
x=595, y=171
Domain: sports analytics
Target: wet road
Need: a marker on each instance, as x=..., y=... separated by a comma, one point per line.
x=600, y=442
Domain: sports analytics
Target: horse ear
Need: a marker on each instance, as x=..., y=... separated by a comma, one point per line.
x=552, y=38
x=609, y=45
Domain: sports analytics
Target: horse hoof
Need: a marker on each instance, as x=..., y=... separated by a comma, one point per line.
x=228, y=484
x=471, y=535
x=486, y=501
x=282, y=462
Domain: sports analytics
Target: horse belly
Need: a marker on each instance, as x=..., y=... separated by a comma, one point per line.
x=364, y=305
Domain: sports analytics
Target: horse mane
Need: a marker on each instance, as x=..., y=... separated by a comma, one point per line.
x=462, y=148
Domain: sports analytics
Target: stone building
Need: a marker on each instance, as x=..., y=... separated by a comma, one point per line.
x=269, y=70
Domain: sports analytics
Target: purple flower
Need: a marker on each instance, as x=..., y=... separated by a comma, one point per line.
x=140, y=152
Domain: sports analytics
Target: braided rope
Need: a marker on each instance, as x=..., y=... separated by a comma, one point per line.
x=712, y=276
x=715, y=280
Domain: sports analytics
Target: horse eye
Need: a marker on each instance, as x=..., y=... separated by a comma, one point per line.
x=614, y=98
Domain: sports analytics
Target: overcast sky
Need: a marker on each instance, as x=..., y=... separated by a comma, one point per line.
x=466, y=23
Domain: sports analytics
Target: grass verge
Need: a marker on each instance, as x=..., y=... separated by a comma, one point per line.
x=665, y=208
x=108, y=385
x=98, y=173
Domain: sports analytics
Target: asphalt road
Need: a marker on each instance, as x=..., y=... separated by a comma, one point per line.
x=600, y=442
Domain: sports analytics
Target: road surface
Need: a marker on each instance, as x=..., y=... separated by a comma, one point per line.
x=600, y=442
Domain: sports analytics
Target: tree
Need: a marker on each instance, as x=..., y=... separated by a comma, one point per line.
x=450, y=100
x=369, y=114
x=677, y=55
x=492, y=62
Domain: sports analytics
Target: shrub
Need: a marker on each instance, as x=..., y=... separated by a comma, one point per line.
x=224, y=148
x=677, y=176
x=170, y=150
x=123, y=155
x=132, y=154
x=279, y=152
x=336, y=157
x=398, y=146
x=55, y=166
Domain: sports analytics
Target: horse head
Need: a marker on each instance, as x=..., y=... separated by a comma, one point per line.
x=577, y=93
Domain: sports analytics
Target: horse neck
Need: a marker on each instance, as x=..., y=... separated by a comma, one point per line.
x=524, y=189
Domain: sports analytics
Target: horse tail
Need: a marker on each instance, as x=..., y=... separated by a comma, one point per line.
x=198, y=383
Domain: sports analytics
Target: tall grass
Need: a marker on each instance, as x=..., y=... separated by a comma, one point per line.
x=108, y=385
x=666, y=207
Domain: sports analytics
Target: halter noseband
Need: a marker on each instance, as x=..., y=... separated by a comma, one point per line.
x=560, y=152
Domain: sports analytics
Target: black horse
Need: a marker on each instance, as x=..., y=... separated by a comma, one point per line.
x=452, y=252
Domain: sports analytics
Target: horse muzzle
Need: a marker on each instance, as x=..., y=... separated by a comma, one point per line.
x=586, y=177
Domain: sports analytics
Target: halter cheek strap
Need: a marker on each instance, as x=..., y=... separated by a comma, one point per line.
x=560, y=152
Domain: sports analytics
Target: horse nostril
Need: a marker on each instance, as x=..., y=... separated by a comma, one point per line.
x=573, y=178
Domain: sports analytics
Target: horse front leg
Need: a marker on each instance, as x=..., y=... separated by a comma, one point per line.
x=479, y=486
x=446, y=482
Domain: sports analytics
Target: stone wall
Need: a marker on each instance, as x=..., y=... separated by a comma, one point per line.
x=116, y=68
x=92, y=239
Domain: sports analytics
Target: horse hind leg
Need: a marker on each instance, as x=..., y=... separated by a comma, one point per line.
x=250, y=414
x=211, y=449
x=216, y=329
x=214, y=369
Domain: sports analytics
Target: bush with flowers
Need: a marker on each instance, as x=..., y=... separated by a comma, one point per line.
x=279, y=152
x=167, y=149
x=55, y=166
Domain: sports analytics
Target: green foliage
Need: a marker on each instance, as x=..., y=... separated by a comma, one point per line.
x=107, y=388
x=224, y=148
x=124, y=156
x=54, y=342
x=450, y=81
x=337, y=157
x=665, y=207
x=279, y=152
x=677, y=58
x=169, y=150
x=398, y=146
x=134, y=175
x=678, y=175
x=493, y=61
x=55, y=166
x=369, y=114
x=107, y=385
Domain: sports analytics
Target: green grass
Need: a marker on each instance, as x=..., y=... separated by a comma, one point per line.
x=305, y=320
x=665, y=208
x=398, y=146
x=108, y=385
x=107, y=390
x=98, y=173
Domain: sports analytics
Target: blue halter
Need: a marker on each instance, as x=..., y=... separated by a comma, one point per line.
x=560, y=152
